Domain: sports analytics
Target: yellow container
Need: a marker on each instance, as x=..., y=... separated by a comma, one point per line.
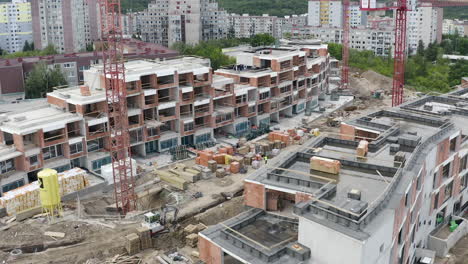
x=227, y=159
x=49, y=190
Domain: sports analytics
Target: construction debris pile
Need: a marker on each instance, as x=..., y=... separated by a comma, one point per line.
x=27, y=197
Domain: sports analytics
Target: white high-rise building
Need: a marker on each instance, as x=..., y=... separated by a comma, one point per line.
x=329, y=13
x=325, y=13
x=169, y=21
x=424, y=23
x=15, y=25
x=67, y=24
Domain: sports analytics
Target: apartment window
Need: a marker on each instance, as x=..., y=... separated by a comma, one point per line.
x=407, y=196
x=264, y=96
x=152, y=131
x=95, y=145
x=400, y=236
x=188, y=126
x=448, y=191
x=463, y=182
x=33, y=160
x=463, y=163
x=434, y=182
x=7, y=165
x=223, y=118
x=76, y=148
x=203, y=138
x=251, y=109
x=453, y=144
x=446, y=171
x=11, y=186
x=97, y=164
x=436, y=201
x=52, y=152
x=170, y=143
x=241, y=99
x=244, y=126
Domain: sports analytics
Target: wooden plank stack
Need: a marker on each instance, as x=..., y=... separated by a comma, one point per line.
x=132, y=244
x=27, y=196
x=145, y=237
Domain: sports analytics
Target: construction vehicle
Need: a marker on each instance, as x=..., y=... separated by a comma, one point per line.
x=156, y=221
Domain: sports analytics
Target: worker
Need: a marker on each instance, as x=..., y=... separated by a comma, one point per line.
x=266, y=159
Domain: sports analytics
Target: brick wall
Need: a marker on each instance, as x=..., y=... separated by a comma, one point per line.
x=347, y=132
x=443, y=149
x=209, y=252
x=254, y=195
x=302, y=197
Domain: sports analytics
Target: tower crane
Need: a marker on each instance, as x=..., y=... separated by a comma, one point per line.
x=116, y=98
x=401, y=8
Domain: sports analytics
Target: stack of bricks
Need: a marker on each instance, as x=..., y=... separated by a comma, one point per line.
x=145, y=237
x=132, y=244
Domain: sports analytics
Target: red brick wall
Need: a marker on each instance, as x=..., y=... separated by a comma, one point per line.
x=347, y=132
x=302, y=197
x=18, y=141
x=254, y=195
x=443, y=150
x=56, y=101
x=209, y=252
x=275, y=65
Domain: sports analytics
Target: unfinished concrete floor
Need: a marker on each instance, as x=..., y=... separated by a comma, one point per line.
x=270, y=232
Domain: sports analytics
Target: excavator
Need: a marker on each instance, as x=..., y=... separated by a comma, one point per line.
x=157, y=222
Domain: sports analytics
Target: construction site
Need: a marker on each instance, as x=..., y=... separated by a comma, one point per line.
x=288, y=156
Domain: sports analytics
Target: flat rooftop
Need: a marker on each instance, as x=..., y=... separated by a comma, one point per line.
x=259, y=238
x=47, y=118
x=407, y=132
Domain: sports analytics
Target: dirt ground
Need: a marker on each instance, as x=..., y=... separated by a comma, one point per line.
x=458, y=254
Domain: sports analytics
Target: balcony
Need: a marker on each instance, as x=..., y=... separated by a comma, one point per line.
x=96, y=131
x=201, y=80
x=54, y=137
x=166, y=82
x=132, y=88
x=167, y=114
x=202, y=110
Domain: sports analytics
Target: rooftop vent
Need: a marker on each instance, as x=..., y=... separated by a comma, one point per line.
x=354, y=194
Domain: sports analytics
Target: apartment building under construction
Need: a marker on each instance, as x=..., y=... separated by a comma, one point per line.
x=386, y=189
x=171, y=102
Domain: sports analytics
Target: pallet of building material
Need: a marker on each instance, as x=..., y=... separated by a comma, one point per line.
x=277, y=144
x=145, y=237
x=132, y=244
x=362, y=148
x=220, y=158
x=172, y=179
x=192, y=240
x=220, y=173
x=212, y=165
x=238, y=159
x=27, y=196
x=197, y=173
x=184, y=175
x=227, y=159
x=243, y=150
x=325, y=165
x=234, y=167
x=248, y=158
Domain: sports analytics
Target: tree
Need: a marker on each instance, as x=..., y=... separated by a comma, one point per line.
x=42, y=79
x=90, y=47
x=49, y=50
x=457, y=71
x=420, y=50
x=335, y=50
x=27, y=46
x=262, y=40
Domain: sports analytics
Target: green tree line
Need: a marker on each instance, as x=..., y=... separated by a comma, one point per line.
x=426, y=71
